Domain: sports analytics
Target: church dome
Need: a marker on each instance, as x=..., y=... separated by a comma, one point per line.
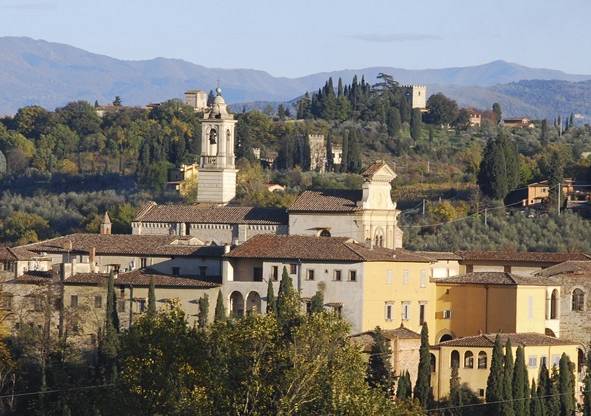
x=219, y=108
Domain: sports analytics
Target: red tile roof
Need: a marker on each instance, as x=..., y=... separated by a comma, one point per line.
x=212, y=215
x=374, y=168
x=126, y=244
x=16, y=253
x=299, y=247
x=520, y=256
x=141, y=278
x=488, y=340
x=494, y=278
x=329, y=200
x=571, y=267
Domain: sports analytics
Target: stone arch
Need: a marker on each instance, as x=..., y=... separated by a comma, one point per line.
x=554, y=304
x=468, y=359
x=445, y=335
x=578, y=300
x=324, y=233
x=253, y=302
x=455, y=359
x=236, y=304
x=549, y=332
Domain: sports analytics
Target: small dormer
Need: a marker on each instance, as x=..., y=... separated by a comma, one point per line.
x=376, y=186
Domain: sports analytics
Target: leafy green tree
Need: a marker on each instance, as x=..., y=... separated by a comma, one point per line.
x=495, y=383
x=220, y=309
x=566, y=387
x=271, y=303
x=462, y=122
x=441, y=110
x=117, y=101
x=202, y=315
x=379, y=367
x=317, y=302
x=520, y=385
x=422, y=390
x=80, y=116
x=152, y=298
x=33, y=121
x=22, y=228
x=508, y=370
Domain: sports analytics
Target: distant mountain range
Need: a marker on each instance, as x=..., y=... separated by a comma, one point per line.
x=51, y=74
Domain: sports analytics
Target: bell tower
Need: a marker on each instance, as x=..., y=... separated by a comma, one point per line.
x=217, y=172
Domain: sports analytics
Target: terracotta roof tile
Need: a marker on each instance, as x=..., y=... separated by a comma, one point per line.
x=142, y=277
x=570, y=267
x=438, y=255
x=520, y=256
x=488, y=340
x=127, y=244
x=331, y=200
x=374, y=168
x=366, y=339
x=212, y=215
x=495, y=278
x=16, y=253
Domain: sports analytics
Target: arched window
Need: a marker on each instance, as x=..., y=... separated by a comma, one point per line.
x=213, y=136
x=482, y=359
x=433, y=363
x=379, y=238
x=445, y=337
x=468, y=359
x=253, y=303
x=578, y=300
x=237, y=304
x=324, y=233
x=554, y=305
x=455, y=359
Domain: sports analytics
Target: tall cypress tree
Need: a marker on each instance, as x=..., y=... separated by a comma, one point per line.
x=508, y=370
x=271, y=305
x=317, y=302
x=345, y=155
x=109, y=345
x=494, y=384
x=536, y=408
x=415, y=124
x=288, y=304
x=422, y=390
x=492, y=177
x=587, y=384
x=152, y=299
x=379, y=367
x=544, y=386
x=544, y=133
x=404, y=387
x=521, y=389
x=203, y=313
x=220, y=309
x=455, y=391
x=552, y=396
x=565, y=387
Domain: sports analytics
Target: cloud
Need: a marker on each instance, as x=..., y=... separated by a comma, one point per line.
x=40, y=5
x=395, y=37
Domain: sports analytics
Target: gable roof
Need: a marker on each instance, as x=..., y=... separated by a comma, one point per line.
x=570, y=267
x=375, y=167
x=331, y=249
x=521, y=256
x=153, y=212
x=366, y=339
x=126, y=244
x=328, y=200
x=488, y=340
x=141, y=278
x=16, y=253
x=495, y=278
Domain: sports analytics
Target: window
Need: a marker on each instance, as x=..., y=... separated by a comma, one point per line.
x=578, y=300
x=554, y=305
x=532, y=361
x=446, y=314
x=389, y=308
x=338, y=275
x=481, y=359
x=310, y=274
x=143, y=262
x=353, y=275
x=121, y=305
x=468, y=359
x=324, y=233
x=455, y=359
x=6, y=301
x=405, y=277
x=141, y=304
x=293, y=268
x=389, y=277
x=481, y=392
x=405, y=311
x=423, y=280
x=98, y=301
x=74, y=301
x=176, y=271
x=203, y=271
x=422, y=308
x=275, y=273
x=257, y=274
x=433, y=363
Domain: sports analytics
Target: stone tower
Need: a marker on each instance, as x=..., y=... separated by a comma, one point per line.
x=217, y=172
x=105, y=227
x=317, y=146
x=419, y=96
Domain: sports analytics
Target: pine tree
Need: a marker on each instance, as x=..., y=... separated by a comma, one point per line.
x=317, y=302
x=565, y=387
x=422, y=390
x=220, y=309
x=494, y=384
x=271, y=305
x=288, y=304
x=508, y=370
x=535, y=408
x=203, y=314
x=152, y=299
x=455, y=391
x=379, y=367
x=520, y=384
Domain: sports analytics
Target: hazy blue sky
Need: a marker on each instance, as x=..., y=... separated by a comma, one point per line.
x=299, y=37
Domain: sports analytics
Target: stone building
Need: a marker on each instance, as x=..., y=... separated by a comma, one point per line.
x=196, y=99
x=318, y=155
x=337, y=154
x=417, y=95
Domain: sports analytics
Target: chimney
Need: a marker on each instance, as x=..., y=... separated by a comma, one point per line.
x=92, y=259
x=227, y=248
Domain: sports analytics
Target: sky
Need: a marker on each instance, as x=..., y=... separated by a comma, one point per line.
x=300, y=37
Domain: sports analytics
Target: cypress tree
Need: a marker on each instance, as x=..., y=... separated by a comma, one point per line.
x=288, y=303
x=455, y=391
x=345, y=156
x=494, y=384
x=507, y=405
x=422, y=390
x=565, y=387
x=203, y=314
x=521, y=389
x=220, y=309
x=544, y=133
x=552, y=396
x=496, y=108
x=393, y=121
x=415, y=124
x=271, y=305
x=492, y=177
x=587, y=384
x=109, y=343
x=152, y=299
x=379, y=367
x=354, y=155
x=535, y=408
x=544, y=386
x=317, y=302
x=404, y=387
